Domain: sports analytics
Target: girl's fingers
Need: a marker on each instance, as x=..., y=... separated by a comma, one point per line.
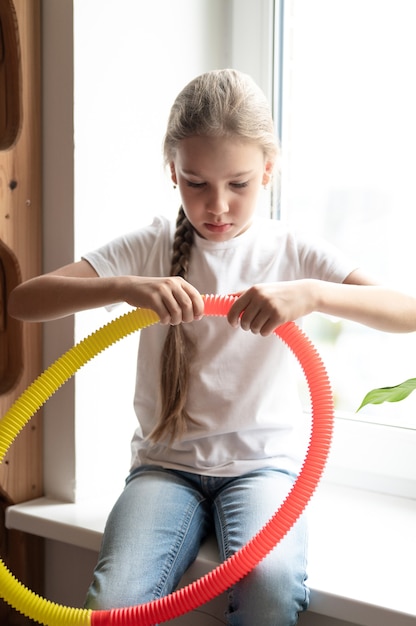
x=182, y=304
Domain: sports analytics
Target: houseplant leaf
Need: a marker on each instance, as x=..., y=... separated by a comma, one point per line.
x=389, y=394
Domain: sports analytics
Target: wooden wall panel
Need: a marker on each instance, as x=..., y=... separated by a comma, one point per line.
x=20, y=258
x=20, y=252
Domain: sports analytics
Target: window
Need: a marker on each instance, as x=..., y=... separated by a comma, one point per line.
x=348, y=139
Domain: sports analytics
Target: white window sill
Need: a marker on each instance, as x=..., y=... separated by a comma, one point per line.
x=361, y=555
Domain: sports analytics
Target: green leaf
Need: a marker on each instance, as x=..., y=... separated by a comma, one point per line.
x=389, y=394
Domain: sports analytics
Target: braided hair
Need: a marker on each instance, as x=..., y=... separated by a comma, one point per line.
x=177, y=350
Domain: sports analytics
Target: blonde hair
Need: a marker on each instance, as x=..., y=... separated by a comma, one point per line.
x=223, y=103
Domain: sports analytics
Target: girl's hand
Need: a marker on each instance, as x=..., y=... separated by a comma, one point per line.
x=263, y=307
x=172, y=298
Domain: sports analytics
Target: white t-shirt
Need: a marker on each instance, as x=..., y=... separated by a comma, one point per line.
x=243, y=392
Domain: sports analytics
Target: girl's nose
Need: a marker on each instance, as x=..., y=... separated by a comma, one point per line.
x=217, y=202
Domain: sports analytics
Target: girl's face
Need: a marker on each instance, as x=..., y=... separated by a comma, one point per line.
x=219, y=180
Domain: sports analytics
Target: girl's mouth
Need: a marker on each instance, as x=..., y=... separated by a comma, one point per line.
x=217, y=228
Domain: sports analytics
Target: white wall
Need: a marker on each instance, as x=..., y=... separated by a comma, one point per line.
x=58, y=231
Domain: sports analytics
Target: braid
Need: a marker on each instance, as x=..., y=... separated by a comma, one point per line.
x=182, y=244
x=177, y=350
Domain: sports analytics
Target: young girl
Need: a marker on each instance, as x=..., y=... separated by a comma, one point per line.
x=218, y=442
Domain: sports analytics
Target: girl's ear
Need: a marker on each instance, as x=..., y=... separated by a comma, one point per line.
x=173, y=173
x=268, y=171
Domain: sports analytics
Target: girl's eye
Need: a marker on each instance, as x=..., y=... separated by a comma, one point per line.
x=239, y=185
x=195, y=185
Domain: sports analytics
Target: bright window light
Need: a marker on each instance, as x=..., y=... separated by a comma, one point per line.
x=348, y=166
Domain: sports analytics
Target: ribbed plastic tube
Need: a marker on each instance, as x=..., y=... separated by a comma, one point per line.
x=237, y=566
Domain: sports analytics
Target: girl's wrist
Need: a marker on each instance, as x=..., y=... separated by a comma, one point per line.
x=124, y=288
x=314, y=295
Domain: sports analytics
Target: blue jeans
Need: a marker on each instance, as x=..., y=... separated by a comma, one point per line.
x=156, y=527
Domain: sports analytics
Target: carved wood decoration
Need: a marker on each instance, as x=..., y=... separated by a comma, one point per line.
x=10, y=76
x=20, y=259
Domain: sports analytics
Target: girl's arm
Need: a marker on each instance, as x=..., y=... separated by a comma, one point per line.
x=359, y=300
x=263, y=307
x=77, y=287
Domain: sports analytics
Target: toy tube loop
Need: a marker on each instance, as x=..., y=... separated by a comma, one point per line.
x=241, y=563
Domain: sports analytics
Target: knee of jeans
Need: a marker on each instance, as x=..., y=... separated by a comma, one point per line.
x=272, y=599
x=114, y=591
